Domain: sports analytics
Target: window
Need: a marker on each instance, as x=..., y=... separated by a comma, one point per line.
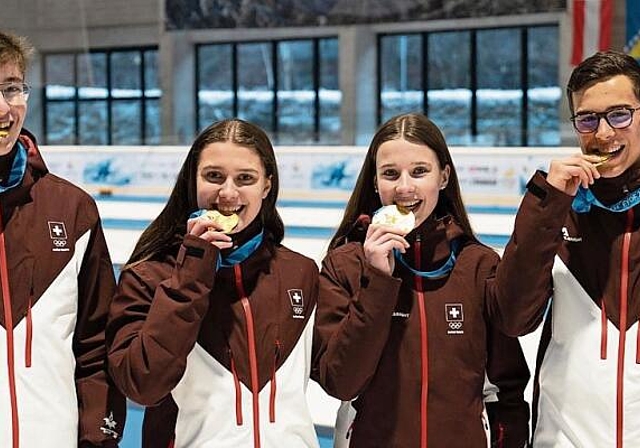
x=289, y=87
x=543, y=93
x=493, y=87
x=109, y=97
x=449, y=95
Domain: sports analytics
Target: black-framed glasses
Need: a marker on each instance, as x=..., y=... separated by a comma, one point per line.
x=618, y=118
x=15, y=93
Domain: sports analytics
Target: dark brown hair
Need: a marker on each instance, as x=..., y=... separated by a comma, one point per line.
x=171, y=224
x=417, y=129
x=600, y=67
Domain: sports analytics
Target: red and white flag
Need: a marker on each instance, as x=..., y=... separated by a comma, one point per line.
x=591, y=28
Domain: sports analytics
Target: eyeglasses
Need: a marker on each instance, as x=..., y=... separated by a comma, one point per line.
x=619, y=118
x=15, y=93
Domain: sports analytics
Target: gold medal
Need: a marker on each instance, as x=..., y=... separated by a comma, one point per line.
x=226, y=222
x=394, y=216
x=604, y=158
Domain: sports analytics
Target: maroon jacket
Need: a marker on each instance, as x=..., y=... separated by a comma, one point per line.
x=57, y=282
x=587, y=264
x=415, y=353
x=186, y=339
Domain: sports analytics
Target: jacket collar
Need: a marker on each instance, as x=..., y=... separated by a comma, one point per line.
x=613, y=189
x=36, y=168
x=436, y=235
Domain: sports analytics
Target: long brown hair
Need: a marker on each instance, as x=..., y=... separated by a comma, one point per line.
x=414, y=128
x=165, y=231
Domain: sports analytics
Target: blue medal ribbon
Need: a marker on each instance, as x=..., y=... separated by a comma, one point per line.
x=441, y=272
x=18, y=168
x=585, y=199
x=241, y=253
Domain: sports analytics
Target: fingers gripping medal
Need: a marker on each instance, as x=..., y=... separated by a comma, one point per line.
x=604, y=158
x=226, y=222
x=394, y=216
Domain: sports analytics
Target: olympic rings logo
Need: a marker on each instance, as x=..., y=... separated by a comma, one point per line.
x=59, y=243
x=456, y=325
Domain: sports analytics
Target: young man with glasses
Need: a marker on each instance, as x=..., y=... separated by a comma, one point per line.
x=573, y=261
x=56, y=284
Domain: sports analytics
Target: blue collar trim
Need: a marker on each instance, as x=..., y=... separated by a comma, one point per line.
x=241, y=253
x=441, y=272
x=585, y=199
x=18, y=168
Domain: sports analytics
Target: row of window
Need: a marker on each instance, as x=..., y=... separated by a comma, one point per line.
x=102, y=98
x=496, y=87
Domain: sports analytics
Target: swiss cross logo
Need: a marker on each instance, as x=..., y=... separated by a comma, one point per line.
x=58, y=234
x=454, y=314
x=297, y=302
x=57, y=230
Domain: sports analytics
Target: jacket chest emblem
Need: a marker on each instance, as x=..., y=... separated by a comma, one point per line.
x=58, y=235
x=454, y=314
x=297, y=303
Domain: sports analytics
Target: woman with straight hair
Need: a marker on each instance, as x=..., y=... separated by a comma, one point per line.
x=404, y=329
x=211, y=325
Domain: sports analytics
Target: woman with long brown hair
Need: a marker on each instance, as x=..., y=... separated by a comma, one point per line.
x=211, y=325
x=404, y=328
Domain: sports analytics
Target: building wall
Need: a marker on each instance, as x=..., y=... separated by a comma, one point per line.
x=78, y=24
x=65, y=25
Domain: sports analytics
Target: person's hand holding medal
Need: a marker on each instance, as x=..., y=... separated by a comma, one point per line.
x=213, y=226
x=388, y=227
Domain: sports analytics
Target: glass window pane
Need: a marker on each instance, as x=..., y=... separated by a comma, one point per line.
x=59, y=76
x=401, y=75
x=125, y=74
x=215, y=89
x=92, y=75
x=499, y=94
x=93, y=123
x=60, y=123
x=449, y=96
x=151, y=82
x=127, y=123
x=296, y=92
x=330, y=94
x=255, y=84
x=544, y=94
x=152, y=125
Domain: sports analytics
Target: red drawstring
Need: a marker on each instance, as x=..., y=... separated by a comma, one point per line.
x=236, y=381
x=29, y=337
x=8, y=323
x=603, y=330
x=624, y=297
x=272, y=396
x=253, y=362
x=424, y=351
